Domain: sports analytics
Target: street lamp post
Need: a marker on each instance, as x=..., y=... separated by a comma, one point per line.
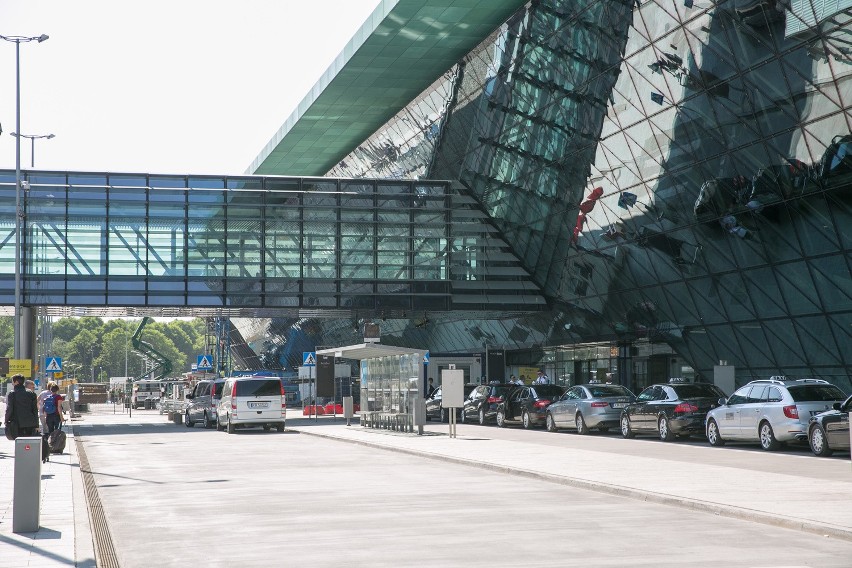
x=17, y=40
x=32, y=138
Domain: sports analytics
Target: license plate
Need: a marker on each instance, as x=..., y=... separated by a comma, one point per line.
x=618, y=405
x=258, y=405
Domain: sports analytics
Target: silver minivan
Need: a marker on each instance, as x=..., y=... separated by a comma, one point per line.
x=203, y=401
x=252, y=401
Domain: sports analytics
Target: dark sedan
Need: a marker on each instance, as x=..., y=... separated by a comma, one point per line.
x=670, y=410
x=829, y=431
x=436, y=411
x=528, y=405
x=481, y=404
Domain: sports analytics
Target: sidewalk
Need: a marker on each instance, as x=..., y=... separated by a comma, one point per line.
x=64, y=537
x=791, y=490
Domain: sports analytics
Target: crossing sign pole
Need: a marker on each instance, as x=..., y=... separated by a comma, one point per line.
x=309, y=360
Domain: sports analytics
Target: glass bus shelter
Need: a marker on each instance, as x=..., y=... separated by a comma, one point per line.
x=392, y=381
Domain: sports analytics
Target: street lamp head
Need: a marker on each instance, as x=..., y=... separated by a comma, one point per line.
x=43, y=37
x=49, y=136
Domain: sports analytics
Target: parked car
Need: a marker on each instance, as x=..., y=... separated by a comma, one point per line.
x=771, y=411
x=670, y=410
x=593, y=405
x=483, y=400
x=527, y=405
x=434, y=408
x=252, y=401
x=202, y=403
x=829, y=431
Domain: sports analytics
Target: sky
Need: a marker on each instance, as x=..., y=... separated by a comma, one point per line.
x=163, y=86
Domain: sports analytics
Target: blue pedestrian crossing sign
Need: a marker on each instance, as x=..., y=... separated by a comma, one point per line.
x=426, y=358
x=309, y=358
x=53, y=364
x=205, y=363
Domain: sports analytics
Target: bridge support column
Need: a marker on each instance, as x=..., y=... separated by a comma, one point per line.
x=27, y=330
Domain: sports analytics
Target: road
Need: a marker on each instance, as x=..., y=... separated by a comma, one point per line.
x=177, y=496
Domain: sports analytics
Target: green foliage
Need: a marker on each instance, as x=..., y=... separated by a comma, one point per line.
x=91, y=343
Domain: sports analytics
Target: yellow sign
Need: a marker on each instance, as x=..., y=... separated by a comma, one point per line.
x=21, y=367
x=528, y=374
x=57, y=374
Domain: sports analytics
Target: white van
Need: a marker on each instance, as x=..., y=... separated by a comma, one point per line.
x=252, y=401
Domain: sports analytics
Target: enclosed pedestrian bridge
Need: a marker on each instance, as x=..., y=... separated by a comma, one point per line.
x=116, y=244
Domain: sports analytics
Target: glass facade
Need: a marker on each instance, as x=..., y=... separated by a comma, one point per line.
x=254, y=246
x=676, y=177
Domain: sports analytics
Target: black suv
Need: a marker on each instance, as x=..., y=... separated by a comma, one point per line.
x=669, y=410
x=481, y=404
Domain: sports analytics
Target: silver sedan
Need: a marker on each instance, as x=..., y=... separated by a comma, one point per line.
x=588, y=406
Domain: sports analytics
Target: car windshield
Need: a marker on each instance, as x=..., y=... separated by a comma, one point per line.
x=602, y=391
x=549, y=391
x=802, y=393
x=697, y=390
x=259, y=387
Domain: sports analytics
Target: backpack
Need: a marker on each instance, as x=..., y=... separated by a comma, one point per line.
x=49, y=404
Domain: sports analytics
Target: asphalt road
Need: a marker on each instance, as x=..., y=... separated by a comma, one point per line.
x=175, y=496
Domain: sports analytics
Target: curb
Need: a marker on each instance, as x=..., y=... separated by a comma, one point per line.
x=84, y=549
x=717, y=509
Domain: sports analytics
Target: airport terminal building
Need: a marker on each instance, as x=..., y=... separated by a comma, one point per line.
x=667, y=184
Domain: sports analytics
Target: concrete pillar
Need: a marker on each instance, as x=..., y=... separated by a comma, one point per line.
x=28, y=329
x=724, y=377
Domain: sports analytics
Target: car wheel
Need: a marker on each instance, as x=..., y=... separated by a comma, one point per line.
x=550, y=423
x=767, y=437
x=205, y=422
x=666, y=434
x=626, y=431
x=443, y=415
x=482, y=417
x=267, y=427
x=582, y=429
x=713, y=435
x=280, y=427
x=188, y=421
x=501, y=419
x=527, y=421
x=819, y=446
x=219, y=426
x=230, y=426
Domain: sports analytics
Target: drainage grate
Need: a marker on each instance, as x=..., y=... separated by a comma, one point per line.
x=104, y=549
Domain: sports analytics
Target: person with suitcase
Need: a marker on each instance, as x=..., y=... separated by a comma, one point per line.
x=55, y=437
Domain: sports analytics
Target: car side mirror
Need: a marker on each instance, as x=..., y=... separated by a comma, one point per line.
x=722, y=401
x=836, y=406
x=190, y=396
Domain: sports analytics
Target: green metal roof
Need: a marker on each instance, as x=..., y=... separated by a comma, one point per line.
x=398, y=52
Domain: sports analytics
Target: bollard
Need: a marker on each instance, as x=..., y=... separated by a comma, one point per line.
x=26, y=503
x=348, y=407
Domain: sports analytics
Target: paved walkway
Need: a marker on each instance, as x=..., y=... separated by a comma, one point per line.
x=64, y=537
x=791, y=489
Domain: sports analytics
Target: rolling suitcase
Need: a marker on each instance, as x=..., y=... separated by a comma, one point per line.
x=56, y=441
